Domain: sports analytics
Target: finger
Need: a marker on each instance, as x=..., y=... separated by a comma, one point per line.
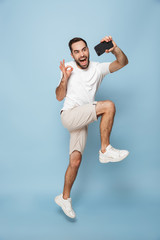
x=107, y=39
x=68, y=67
x=62, y=67
x=70, y=70
x=110, y=37
x=107, y=51
x=111, y=49
x=114, y=44
x=103, y=39
x=61, y=64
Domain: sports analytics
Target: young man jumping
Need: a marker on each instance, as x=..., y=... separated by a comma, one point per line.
x=79, y=84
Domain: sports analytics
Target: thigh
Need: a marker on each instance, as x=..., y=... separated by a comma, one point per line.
x=78, y=140
x=79, y=117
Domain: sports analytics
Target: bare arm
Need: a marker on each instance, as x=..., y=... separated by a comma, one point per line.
x=61, y=90
x=121, y=58
x=120, y=62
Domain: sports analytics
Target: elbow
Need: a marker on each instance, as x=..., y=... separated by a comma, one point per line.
x=59, y=95
x=126, y=62
x=59, y=98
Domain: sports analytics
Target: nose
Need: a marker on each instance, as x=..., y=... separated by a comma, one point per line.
x=82, y=53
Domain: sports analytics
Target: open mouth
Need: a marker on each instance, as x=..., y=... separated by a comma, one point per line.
x=83, y=61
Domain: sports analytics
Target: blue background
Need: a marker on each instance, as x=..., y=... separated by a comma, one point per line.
x=112, y=201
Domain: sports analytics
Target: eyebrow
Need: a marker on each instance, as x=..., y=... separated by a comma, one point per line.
x=78, y=50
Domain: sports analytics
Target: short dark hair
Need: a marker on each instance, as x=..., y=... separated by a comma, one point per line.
x=74, y=40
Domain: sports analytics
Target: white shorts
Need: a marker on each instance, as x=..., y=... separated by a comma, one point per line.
x=76, y=120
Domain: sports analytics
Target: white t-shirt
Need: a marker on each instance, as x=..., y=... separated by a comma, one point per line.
x=83, y=83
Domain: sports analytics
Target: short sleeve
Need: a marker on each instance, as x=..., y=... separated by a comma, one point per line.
x=104, y=68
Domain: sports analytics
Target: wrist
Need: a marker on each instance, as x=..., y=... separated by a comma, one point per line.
x=64, y=79
x=115, y=50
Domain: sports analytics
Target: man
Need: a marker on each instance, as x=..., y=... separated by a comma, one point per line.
x=80, y=81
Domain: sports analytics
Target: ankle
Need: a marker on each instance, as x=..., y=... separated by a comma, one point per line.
x=104, y=148
x=66, y=196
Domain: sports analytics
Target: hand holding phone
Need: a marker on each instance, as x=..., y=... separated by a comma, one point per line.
x=101, y=47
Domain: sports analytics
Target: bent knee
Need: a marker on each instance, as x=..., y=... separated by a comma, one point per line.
x=105, y=106
x=75, y=159
x=109, y=106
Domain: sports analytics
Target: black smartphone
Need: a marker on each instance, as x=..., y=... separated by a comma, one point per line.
x=101, y=47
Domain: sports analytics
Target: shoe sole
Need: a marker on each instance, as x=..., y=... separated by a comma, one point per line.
x=61, y=205
x=107, y=160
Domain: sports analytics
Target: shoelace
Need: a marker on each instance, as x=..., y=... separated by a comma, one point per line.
x=115, y=150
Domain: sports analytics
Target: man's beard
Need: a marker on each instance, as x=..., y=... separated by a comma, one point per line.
x=81, y=66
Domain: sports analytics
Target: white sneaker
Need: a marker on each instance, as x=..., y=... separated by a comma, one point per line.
x=112, y=155
x=66, y=205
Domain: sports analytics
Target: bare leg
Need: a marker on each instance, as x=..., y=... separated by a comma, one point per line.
x=105, y=109
x=71, y=173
